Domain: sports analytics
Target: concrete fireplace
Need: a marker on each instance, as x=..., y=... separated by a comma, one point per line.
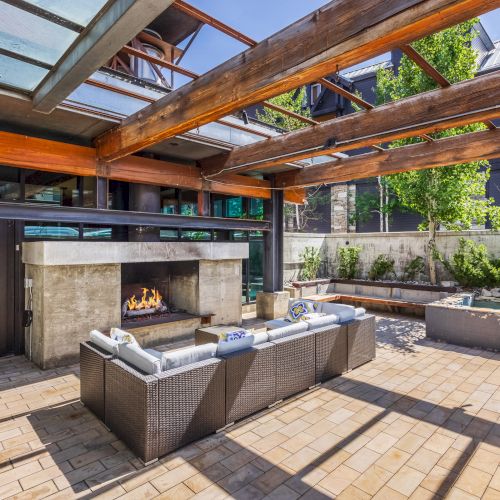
x=80, y=286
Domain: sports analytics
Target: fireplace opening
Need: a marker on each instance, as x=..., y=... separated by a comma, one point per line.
x=157, y=292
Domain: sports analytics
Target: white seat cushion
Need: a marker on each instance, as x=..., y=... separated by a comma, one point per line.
x=188, y=356
x=103, y=341
x=122, y=336
x=277, y=323
x=137, y=357
x=291, y=329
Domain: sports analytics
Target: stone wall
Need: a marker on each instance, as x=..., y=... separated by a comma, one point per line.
x=402, y=247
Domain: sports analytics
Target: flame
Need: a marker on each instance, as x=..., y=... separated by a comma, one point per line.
x=151, y=299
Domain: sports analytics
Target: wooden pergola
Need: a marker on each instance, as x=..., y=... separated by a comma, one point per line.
x=337, y=36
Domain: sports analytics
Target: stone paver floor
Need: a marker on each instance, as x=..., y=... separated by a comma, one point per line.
x=421, y=421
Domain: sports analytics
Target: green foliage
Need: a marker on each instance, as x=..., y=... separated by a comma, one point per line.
x=413, y=269
x=452, y=196
x=348, y=258
x=367, y=204
x=382, y=267
x=312, y=262
x=293, y=101
x=472, y=266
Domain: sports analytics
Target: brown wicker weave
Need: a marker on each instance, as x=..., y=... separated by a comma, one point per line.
x=250, y=381
x=360, y=341
x=191, y=403
x=92, y=377
x=331, y=351
x=132, y=408
x=295, y=364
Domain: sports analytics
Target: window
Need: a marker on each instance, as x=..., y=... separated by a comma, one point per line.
x=169, y=201
x=51, y=188
x=51, y=231
x=315, y=93
x=189, y=203
x=10, y=187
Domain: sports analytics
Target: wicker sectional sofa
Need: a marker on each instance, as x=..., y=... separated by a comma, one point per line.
x=156, y=414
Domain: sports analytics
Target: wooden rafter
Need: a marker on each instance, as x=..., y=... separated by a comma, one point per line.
x=432, y=72
x=336, y=34
x=466, y=102
x=449, y=151
x=21, y=151
x=287, y=112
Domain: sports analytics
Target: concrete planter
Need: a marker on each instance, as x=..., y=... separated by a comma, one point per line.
x=453, y=320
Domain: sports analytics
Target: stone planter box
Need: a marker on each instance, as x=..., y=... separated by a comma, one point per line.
x=455, y=321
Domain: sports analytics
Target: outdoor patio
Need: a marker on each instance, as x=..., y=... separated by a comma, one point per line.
x=420, y=421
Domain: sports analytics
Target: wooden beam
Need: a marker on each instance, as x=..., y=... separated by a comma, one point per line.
x=131, y=51
x=450, y=151
x=336, y=34
x=287, y=112
x=426, y=66
x=22, y=151
x=115, y=27
x=461, y=104
x=53, y=156
x=333, y=87
x=431, y=71
x=215, y=23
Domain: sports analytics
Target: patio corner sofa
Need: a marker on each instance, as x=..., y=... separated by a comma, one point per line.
x=158, y=402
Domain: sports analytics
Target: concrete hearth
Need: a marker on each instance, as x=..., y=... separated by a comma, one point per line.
x=77, y=286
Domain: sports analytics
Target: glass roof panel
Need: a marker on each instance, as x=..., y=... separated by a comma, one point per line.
x=18, y=74
x=78, y=11
x=31, y=36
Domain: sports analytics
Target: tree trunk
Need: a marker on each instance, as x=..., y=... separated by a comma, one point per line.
x=431, y=246
x=386, y=214
x=297, y=217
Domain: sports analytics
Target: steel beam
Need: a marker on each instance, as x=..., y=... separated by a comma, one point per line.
x=47, y=213
x=121, y=22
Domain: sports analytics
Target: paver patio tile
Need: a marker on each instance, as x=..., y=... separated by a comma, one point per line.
x=237, y=480
x=382, y=443
x=270, y=480
x=271, y=458
x=282, y=492
x=473, y=481
x=393, y=459
x=406, y=480
x=37, y=492
x=143, y=492
x=423, y=460
x=338, y=480
x=362, y=459
x=372, y=479
x=172, y=477
x=179, y=492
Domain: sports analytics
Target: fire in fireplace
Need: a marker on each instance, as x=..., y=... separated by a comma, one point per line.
x=151, y=302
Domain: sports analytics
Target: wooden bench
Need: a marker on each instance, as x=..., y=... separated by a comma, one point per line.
x=363, y=299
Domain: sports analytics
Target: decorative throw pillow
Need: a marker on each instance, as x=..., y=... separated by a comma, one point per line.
x=234, y=335
x=300, y=309
x=122, y=336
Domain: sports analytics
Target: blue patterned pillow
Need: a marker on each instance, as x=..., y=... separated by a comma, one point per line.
x=300, y=310
x=234, y=335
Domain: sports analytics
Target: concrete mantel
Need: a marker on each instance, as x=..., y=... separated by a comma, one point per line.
x=69, y=253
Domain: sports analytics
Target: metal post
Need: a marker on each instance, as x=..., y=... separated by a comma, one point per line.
x=144, y=198
x=273, y=243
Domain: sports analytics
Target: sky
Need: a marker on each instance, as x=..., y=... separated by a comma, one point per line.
x=259, y=19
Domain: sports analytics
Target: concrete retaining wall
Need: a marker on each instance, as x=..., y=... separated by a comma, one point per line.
x=402, y=247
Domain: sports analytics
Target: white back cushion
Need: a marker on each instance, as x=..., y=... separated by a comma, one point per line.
x=103, y=341
x=189, y=355
x=260, y=338
x=234, y=345
x=139, y=358
x=359, y=311
x=294, y=328
x=345, y=313
x=327, y=320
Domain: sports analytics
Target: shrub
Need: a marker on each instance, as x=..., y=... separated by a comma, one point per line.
x=348, y=261
x=413, y=269
x=312, y=262
x=471, y=265
x=382, y=267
